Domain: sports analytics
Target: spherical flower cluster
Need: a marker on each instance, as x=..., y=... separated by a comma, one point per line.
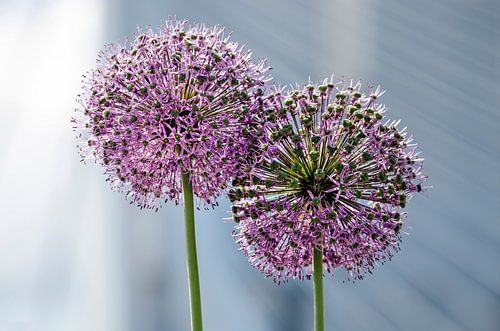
x=174, y=100
x=332, y=175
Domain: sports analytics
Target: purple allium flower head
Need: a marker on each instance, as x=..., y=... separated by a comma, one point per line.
x=333, y=173
x=172, y=100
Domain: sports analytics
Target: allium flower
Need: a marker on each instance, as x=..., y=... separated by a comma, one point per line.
x=332, y=174
x=170, y=101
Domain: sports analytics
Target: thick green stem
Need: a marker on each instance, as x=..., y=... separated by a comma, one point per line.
x=192, y=260
x=319, y=302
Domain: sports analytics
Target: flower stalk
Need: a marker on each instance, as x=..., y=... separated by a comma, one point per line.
x=319, y=302
x=192, y=260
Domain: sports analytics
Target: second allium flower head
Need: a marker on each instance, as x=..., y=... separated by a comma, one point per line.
x=332, y=175
x=174, y=100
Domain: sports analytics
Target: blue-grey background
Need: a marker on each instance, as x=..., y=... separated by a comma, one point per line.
x=76, y=256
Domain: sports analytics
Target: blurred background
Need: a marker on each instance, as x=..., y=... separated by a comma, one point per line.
x=76, y=256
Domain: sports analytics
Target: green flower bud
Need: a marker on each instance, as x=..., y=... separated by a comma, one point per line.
x=314, y=155
x=346, y=123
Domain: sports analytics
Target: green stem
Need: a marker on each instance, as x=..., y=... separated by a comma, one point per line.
x=192, y=260
x=319, y=302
